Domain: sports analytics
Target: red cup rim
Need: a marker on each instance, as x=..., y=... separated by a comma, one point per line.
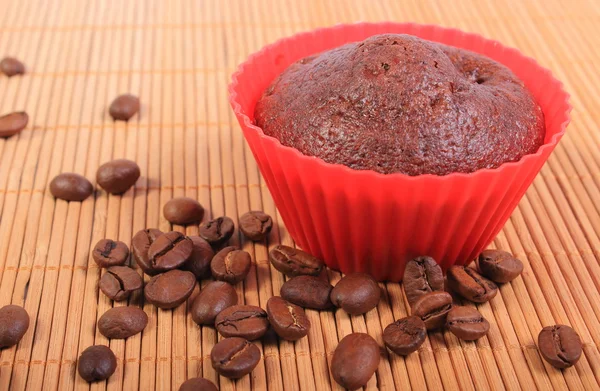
x=342, y=169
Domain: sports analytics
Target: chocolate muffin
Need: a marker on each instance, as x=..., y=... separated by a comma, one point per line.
x=398, y=103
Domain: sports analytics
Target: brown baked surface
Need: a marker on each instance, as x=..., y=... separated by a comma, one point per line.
x=397, y=103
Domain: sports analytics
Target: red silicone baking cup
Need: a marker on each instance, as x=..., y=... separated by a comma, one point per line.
x=366, y=221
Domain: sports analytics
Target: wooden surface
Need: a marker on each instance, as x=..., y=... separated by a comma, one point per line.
x=178, y=56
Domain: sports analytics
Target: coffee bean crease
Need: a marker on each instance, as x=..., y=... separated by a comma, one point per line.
x=240, y=352
x=108, y=247
x=237, y=316
x=166, y=249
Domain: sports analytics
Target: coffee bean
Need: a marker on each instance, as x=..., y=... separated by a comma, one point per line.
x=246, y=321
x=14, y=322
x=117, y=176
x=13, y=123
x=124, y=107
x=293, y=262
x=170, y=289
x=199, y=261
x=234, y=357
x=217, y=231
x=256, y=225
x=432, y=308
x=355, y=360
x=198, y=384
x=69, y=186
x=213, y=298
x=96, y=363
x=109, y=253
x=499, y=266
x=405, y=335
x=471, y=285
x=119, y=281
x=288, y=320
x=183, y=211
x=169, y=251
x=467, y=323
x=308, y=291
x=231, y=265
x=10, y=66
x=560, y=345
x=356, y=293
x=422, y=275
x=140, y=244
x=122, y=322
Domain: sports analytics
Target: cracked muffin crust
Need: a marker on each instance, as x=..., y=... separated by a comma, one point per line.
x=397, y=103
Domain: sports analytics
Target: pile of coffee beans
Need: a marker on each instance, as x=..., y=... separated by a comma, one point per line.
x=432, y=307
x=175, y=262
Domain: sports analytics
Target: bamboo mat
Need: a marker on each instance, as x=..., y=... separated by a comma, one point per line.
x=178, y=57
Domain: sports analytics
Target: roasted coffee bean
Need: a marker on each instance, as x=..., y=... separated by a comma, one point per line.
x=405, y=335
x=256, y=225
x=140, y=244
x=308, y=292
x=124, y=107
x=199, y=261
x=119, y=281
x=293, y=262
x=213, y=298
x=217, y=231
x=356, y=293
x=432, y=308
x=467, y=323
x=14, y=322
x=117, y=176
x=96, y=363
x=288, y=320
x=122, y=322
x=170, y=289
x=560, y=345
x=183, y=211
x=169, y=251
x=355, y=360
x=471, y=285
x=198, y=384
x=246, y=321
x=231, y=265
x=109, y=253
x=499, y=266
x=69, y=186
x=10, y=66
x=422, y=275
x=13, y=123
x=234, y=357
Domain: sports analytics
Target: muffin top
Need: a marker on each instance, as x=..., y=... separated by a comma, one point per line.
x=398, y=103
